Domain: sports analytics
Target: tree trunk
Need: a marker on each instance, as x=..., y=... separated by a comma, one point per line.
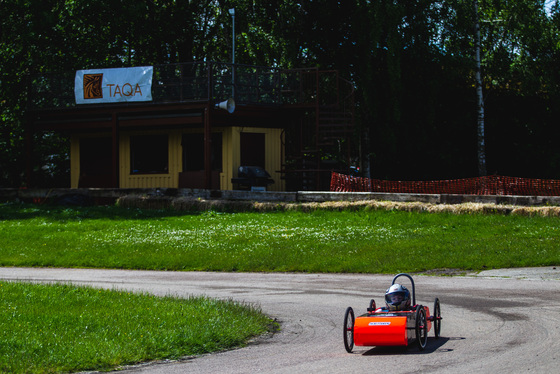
x=481, y=149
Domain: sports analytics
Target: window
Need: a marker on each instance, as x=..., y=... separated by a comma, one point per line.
x=149, y=154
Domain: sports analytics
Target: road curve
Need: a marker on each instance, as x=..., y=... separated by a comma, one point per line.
x=490, y=324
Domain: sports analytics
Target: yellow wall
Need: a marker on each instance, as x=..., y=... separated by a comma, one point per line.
x=231, y=158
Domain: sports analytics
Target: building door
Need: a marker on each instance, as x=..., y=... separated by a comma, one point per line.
x=96, y=157
x=193, y=174
x=252, y=149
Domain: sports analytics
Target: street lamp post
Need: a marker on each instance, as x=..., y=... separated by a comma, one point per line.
x=232, y=13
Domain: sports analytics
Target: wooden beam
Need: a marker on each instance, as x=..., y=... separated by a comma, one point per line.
x=115, y=151
x=28, y=152
x=157, y=122
x=207, y=148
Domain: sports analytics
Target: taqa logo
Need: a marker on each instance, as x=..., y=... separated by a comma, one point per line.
x=93, y=86
x=126, y=90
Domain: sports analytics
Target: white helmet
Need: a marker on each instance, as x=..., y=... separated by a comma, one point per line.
x=397, y=297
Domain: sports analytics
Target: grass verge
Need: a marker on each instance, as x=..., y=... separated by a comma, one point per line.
x=357, y=241
x=64, y=328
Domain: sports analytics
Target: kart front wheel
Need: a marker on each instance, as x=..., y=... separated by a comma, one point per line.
x=421, y=328
x=437, y=318
x=349, y=329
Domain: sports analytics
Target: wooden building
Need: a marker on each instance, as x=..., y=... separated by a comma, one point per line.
x=193, y=125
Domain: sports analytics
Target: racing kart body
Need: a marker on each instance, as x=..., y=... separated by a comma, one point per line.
x=381, y=327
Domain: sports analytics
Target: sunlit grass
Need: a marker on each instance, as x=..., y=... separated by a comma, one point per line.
x=318, y=241
x=62, y=328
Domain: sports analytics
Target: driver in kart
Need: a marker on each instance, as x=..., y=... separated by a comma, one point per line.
x=397, y=298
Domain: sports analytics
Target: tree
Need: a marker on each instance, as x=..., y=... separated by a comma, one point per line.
x=481, y=145
x=412, y=61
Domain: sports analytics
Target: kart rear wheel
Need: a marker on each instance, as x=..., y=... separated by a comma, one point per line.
x=437, y=318
x=349, y=329
x=421, y=327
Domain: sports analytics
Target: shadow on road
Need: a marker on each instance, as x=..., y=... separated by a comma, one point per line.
x=432, y=346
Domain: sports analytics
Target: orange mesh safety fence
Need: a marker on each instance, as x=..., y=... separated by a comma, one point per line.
x=490, y=185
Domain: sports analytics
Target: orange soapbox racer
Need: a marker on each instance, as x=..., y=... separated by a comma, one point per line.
x=400, y=323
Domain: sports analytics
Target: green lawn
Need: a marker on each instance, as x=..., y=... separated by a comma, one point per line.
x=362, y=241
x=62, y=328
x=47, y=329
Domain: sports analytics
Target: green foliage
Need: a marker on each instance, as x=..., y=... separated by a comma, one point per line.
x=411, y=61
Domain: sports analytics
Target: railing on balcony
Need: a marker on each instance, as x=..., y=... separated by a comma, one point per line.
x=202, y=81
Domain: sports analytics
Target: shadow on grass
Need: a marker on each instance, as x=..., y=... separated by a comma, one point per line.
x=23, y=211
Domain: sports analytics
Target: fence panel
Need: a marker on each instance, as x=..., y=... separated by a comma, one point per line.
x=489, y=185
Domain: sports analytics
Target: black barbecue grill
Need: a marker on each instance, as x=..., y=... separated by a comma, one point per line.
x=252, y=176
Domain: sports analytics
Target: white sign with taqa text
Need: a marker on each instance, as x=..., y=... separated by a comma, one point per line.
x=99, y=86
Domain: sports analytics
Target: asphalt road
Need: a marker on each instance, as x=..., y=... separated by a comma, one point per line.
x=496, y=322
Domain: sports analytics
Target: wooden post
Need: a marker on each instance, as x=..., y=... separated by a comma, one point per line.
x=115, y=151
x=208, y=132
x=28, y=151
x=207, y=147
